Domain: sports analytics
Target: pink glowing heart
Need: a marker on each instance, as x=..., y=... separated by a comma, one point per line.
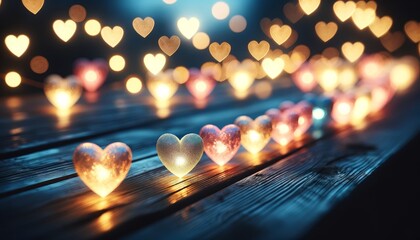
x=200, y=85
x=221, y=145
x=342, y=109
x=284, y=125
x=304, y=111
x=91, y=74
x=304, y=78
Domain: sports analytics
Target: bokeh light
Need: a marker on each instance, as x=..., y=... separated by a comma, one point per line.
x=117, y=63
x=237, y=24
x=13, y=79
x=220, y=10
x=133, y=85
x=77, y=13
x=93, y=27
x=201, y=40
x=39, y=64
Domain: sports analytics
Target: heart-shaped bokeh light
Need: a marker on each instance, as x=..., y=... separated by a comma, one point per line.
x=64, y=29
x=255, y=134
x=199, y=84
x=17, y=45
x=91, y=74
x=284, y=123
x=221, y=145
x=62, y=93
x=179, y=156
x=162, y=87
x=102, y=170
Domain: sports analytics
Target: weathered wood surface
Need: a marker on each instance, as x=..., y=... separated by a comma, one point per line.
x=281, y=192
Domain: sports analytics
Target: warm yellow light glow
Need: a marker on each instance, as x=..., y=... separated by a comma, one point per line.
x=263, y=89
x=362, y=18
x=201, y=40
x=17, y=45
x=92, y=27
x=162, y=87
x=328, y=80
x=309, y=6
x=117, y=63
x=62, y=93
x=237, y=23
x=344, y=10
x=34, y=6
x=180, y=74
x=112, y=36
x=361, y=109
x=352, y=51
x=133, y=85
x=241, y=80
x=13, y=79
x=402, y=75
x=154, y=63
x=273, y=67
x=169, y=2
x=220, y=10
x=64, y=30
x=347, y=78
x=342, y=110
x=188, y=27
x=254, y=136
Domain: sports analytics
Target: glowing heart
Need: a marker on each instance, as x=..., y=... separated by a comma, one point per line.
x=393, y=41
x=219, y=51
x=188, y=27
x=309, y=6
x=363, y=17
x=284, y=124
x=221, y=145
x=273, y=67
x=344, y=10
x=17, y=45
x=154, y=63
x=254, y=134
x=380, y=26
x=412, y=29
x=342, y=109
x=304, y=78
x=169, y=45
x=352, y=51
x=112, y=36
x=102, y=170
x=179, y=156
x=33, y=5
x=200, y=85
x=304, y=111
x=280, y=34
x=143, y=27
x=64, y=30
x=62, y=93
x=326, y=31
x=258, y=50
x=292, y=12
x=91, y=74
x=266, y=23
x=162, y=87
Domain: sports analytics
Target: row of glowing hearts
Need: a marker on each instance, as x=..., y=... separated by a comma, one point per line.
x=103, y=170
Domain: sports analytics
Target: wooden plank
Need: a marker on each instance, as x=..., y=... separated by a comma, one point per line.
x=284, y=200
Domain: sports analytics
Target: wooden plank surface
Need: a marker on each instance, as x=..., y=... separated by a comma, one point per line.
x=41, y=193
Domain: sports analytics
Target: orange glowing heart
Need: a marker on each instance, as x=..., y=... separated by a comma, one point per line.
x=162, y=87
x=393, y=41
x=62, y=93
x=363, y=17
x=219, y=51
x=102, y=170
x=143, y=26
x=258, y=50
x=326, y=31
x=284, y=125
x=352, y=51
x=412, y=29
x=255, y=134
x=266, y=23
x=112, y=36
x=17, y=45
x=64, y=30
x=33, y=5
x=309, y=6
x=380, y=26
x=179, y=156
x=169, y=45
x=280, y=34
x=344, y=10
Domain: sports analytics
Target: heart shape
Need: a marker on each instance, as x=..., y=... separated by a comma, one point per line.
x=200, y=85
x=280, y=34
x=188, y=27
x=91, y=74
x=380, y=26
x=17, y=45
x=221, y=145
x=392, y=41
x=344, y=10
x=273, y=67
x=62, y=93
x=352, y=51
x=258, y=49
x=363, y=17
x=326, y=31
x=266, y=23
x=112, y=36
x=179, y=156
x=284, y=125
x=169, y=45
x=143, y=26
x=33, y=5
x=64, y=30
x=412, y=29
x=255, y=134
x=304, y=112
x=162, y=87
x=154, y=63
x=102, y=170
x=304, y=78
x=309, y=6
x=241, y=75
x=292, y=12
x=219, y=51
